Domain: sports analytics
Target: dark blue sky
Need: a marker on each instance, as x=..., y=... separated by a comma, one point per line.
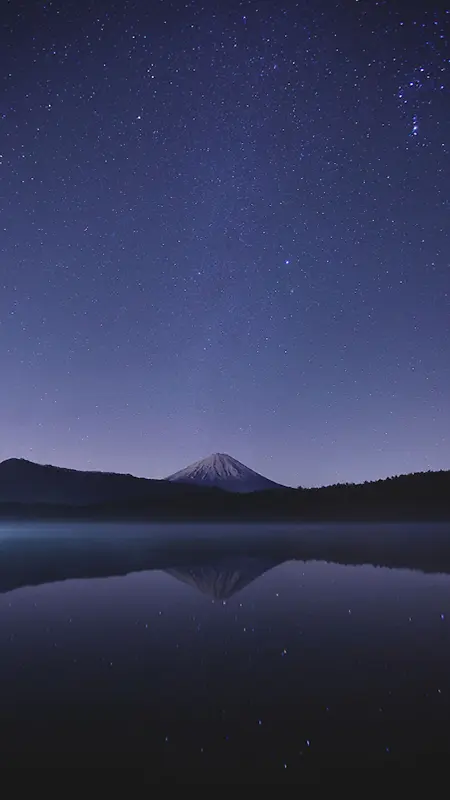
x=225, y=227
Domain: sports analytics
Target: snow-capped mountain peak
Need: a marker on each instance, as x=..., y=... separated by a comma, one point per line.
x=223, y=472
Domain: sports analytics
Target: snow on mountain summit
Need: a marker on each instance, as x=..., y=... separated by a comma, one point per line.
x=224, y=472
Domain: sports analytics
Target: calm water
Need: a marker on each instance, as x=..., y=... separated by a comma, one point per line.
x=217, y=653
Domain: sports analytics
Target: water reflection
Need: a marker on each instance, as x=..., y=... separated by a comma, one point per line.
x=212, y=656
x=217, y=559
x=223, y=579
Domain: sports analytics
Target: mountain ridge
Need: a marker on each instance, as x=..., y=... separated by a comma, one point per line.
x=29, y=490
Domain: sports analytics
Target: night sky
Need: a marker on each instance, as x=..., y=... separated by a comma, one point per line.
x=225, y=227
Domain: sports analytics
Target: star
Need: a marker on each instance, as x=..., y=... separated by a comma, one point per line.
x=210, y=228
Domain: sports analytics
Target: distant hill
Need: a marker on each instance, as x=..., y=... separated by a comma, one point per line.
x=23, y=481
x=413, y=495
x=223, y=472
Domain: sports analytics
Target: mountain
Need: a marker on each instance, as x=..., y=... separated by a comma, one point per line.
x=223, y=472
x=36, y=491
x=23, y=481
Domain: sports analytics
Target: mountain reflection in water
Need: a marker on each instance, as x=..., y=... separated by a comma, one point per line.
x=218, y=560
x=224, y=579
x=216, y=654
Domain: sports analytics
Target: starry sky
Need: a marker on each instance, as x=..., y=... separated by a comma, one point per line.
x=224, y=226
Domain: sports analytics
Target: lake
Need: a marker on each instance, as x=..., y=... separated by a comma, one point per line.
x=214, y=653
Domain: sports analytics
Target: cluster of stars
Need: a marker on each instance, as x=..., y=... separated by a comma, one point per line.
x=214, y=225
